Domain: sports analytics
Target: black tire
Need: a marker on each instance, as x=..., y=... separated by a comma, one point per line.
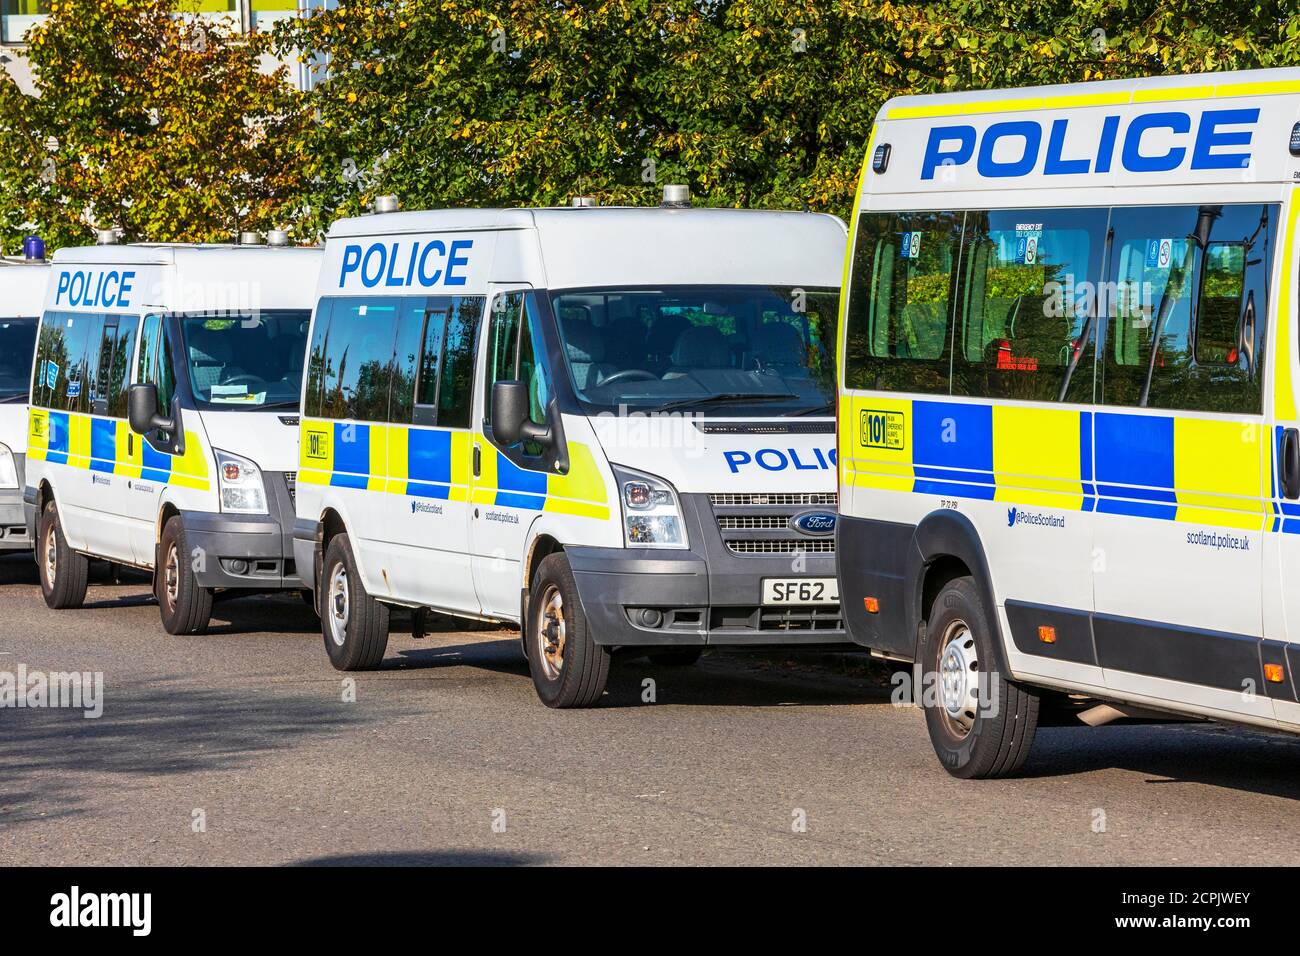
x=569, y=668
x=675, y=656
x=63, y=572
x=972, y=738
x=185, y=606
x=354, y=625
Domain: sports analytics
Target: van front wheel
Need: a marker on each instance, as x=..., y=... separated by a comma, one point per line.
x=354, y=624
x=981, y=724
x=63, y=571
x=186, y=607
x=569, y=668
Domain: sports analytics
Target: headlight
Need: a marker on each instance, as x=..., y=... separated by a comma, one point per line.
x=241, y=486
x=8, y=470
x=651, y=516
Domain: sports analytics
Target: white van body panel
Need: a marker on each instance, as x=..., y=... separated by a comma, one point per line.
x=494, y=522
x=113, y=487
x=1160, y=538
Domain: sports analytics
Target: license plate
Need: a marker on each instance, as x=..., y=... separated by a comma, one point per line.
x=801, y=591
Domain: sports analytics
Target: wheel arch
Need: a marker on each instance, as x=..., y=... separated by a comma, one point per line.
x=946, y=546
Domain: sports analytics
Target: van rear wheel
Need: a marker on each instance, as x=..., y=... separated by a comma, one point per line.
x=63, y=572
x=354, y=624
x=981, y=724
x=185, y=606
x=569, y=668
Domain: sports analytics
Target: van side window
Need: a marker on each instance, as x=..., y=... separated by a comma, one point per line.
x=456, y=394
x=1024, y=313
x=358, y=358
x=314, y=396
x=70, y=349
x=434, y=328
x=898, y=327
x=512, y=354
x=165, y=375
x=148, y=348
x=1187, y=327
x=433, y=373
x=116, y=342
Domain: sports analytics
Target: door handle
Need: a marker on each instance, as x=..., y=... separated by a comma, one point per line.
x=478, y=460
x=130, y=443
x=1289, y=467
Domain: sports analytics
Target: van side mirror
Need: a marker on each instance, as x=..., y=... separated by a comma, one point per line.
x=142, y=410
x=510, y=421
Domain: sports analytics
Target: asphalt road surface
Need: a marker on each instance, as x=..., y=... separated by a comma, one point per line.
x=239, y=747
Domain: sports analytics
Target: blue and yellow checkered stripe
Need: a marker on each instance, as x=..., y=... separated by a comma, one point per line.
x=435, y=463
x=1167, y=467
x=104, y=445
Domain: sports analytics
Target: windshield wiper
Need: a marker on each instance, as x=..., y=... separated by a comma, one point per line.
x=727, y=397
x=272, y=406
x=825, y=409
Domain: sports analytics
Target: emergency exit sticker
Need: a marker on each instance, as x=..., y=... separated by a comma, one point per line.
x=1160, y=253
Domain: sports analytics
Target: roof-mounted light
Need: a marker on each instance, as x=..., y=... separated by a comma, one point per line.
x=676, y=196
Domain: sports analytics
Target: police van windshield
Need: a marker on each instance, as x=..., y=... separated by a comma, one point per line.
x=253, y=360
x=721, y=350
x=17, y=345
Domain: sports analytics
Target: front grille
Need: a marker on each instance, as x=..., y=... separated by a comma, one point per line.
x=768, y=546
x=733, y=500
x=753, y=523
x=291, y=480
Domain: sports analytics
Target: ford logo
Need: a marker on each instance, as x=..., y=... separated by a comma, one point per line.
x=817, y=524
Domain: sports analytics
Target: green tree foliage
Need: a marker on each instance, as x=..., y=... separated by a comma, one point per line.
x=158, y=124
x=752, y=102
x=764, y=103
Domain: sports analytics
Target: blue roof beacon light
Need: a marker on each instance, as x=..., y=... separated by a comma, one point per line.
x=34, y=249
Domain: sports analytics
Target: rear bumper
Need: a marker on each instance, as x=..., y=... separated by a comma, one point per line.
x=647, y=598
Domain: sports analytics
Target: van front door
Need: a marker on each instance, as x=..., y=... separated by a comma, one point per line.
x=509, y=483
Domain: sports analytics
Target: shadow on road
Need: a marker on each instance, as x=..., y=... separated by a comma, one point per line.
x=428, y=858
x=720, y=679
x=148, y=730
x=1233, y=758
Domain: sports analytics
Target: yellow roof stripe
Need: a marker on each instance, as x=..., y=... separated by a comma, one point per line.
x=1173, y=94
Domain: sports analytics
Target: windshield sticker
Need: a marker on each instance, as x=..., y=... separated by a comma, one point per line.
x=236, y=394
x=911, y=245
x=1160, y=253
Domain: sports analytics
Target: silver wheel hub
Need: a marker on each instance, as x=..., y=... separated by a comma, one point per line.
x=172, y=574
x=336, y=605
x=51, y=556
x=549, y=629
x=959, y=673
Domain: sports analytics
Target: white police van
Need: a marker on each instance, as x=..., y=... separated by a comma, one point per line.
x=22, y=293
x=1069, y=445
x=612, y=426
x=164, y=419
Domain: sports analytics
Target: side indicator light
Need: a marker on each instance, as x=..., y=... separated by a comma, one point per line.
x=1274, y=674
x=871, y=604
x=1047, y=634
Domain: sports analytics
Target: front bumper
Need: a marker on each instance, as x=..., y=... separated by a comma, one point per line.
x=246, y=551
x=13, y=521
x=706, y=596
